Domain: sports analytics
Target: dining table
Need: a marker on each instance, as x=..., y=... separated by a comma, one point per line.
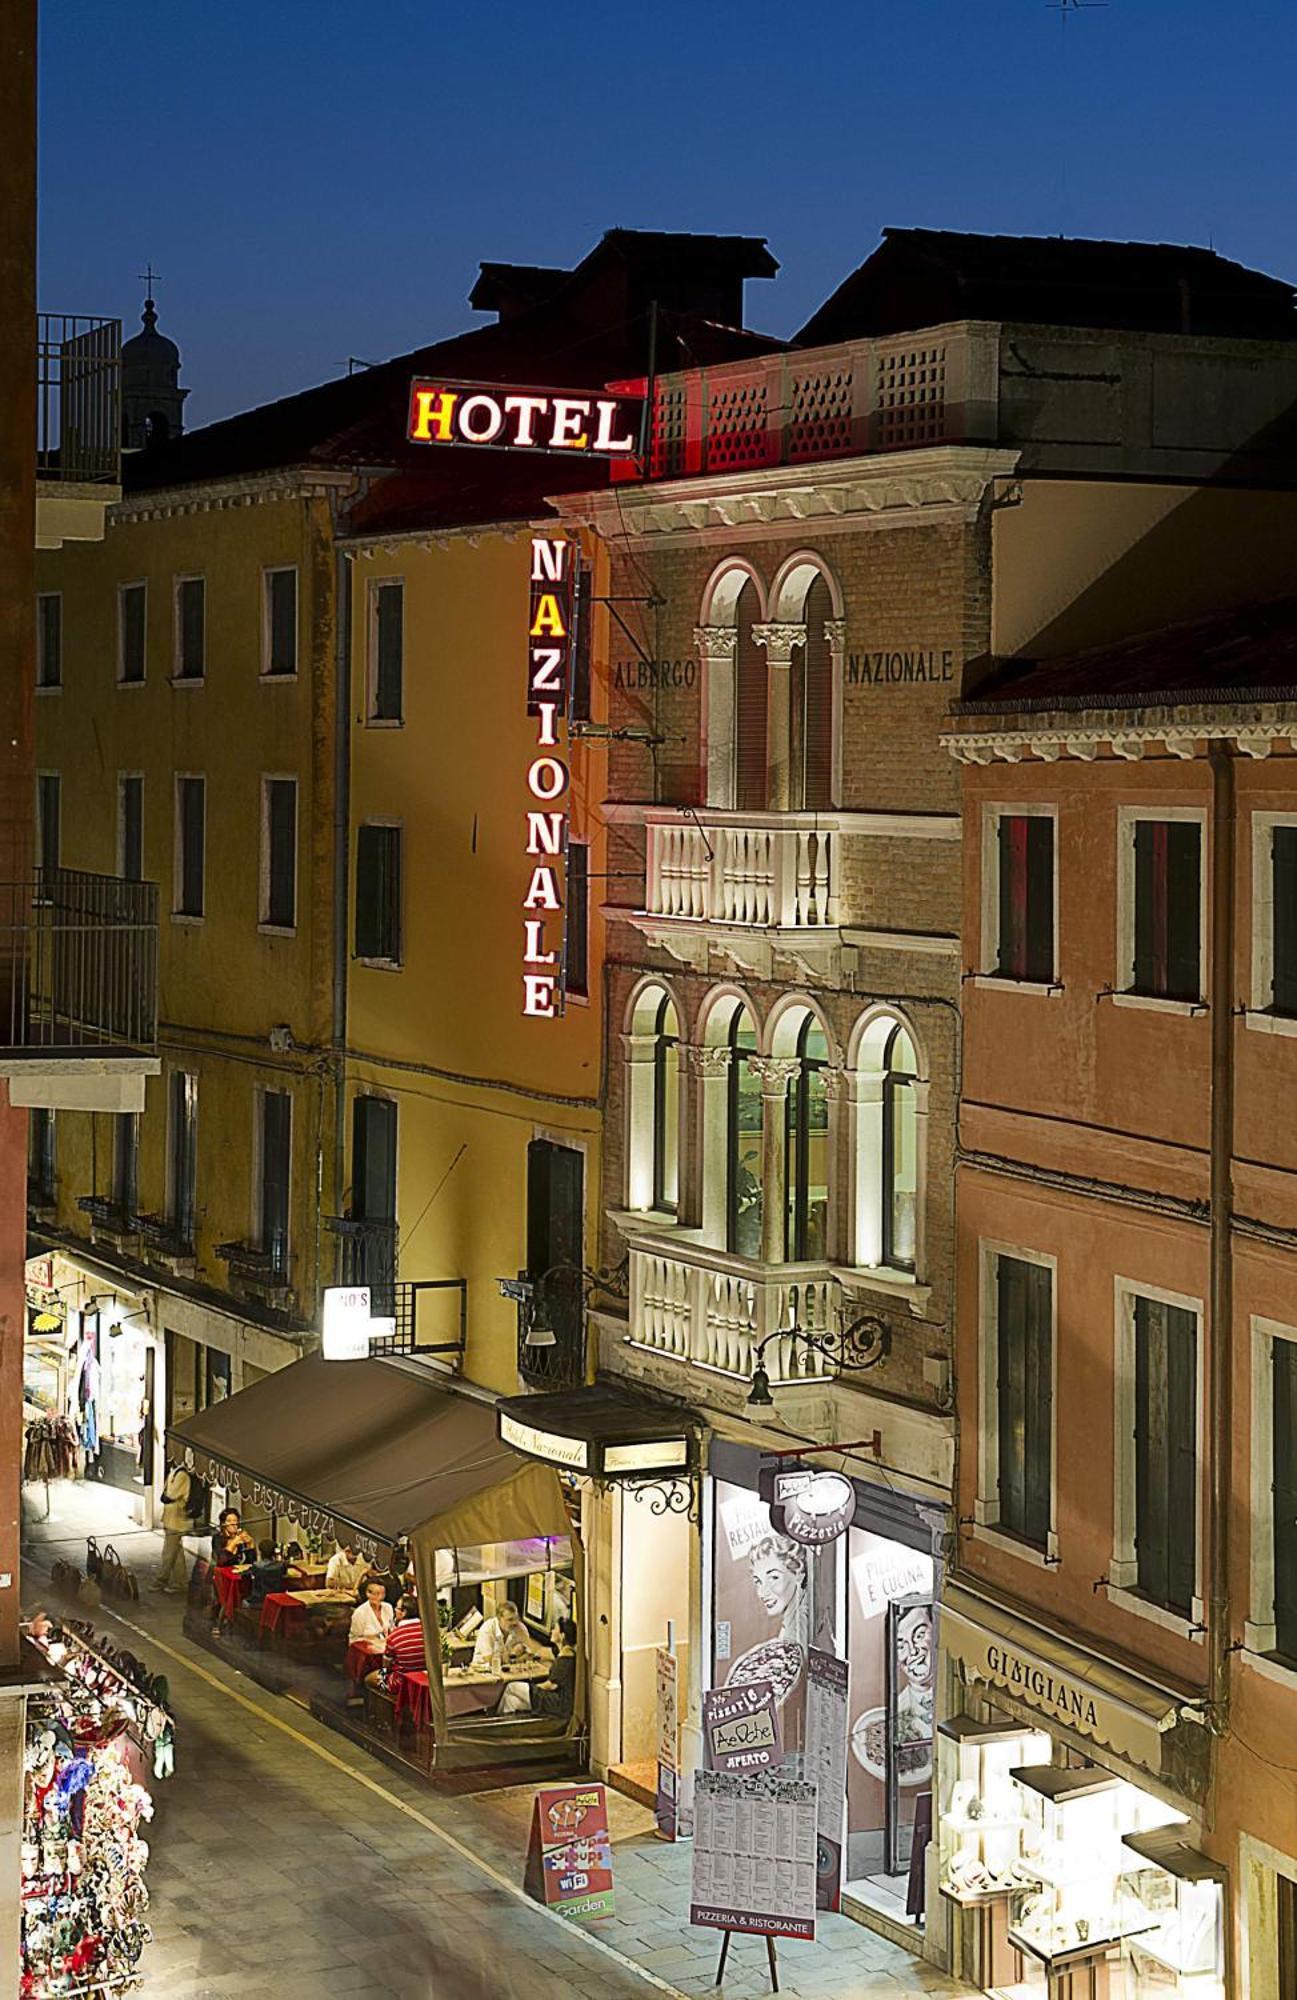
x=231, y=1583
x=286, y=1611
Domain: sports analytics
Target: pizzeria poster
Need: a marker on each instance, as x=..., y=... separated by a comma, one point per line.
x=826, y=1764
x=754, y=1855
x=569, y=1856
x=741, y=1728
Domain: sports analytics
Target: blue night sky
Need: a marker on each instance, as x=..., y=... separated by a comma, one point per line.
x=319, y=178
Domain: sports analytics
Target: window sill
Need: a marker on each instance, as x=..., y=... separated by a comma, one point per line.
x=661, y=1221
x=1009, y=1545
x=1271, y=1669
x=1153, y=1005
x=277, y=930
x=1270, y=1024
x=381, y=964
x=136, y=682
x=186, y=917
x=385, y=722
x=1156, y=1614
x=49, y=687
x=881, y=1278
x=279, y=674
x=188, y=680
x=996, y=982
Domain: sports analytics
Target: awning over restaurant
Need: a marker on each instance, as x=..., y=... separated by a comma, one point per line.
x=1042, y=1674
x=371, y=1447
x=609, y=1433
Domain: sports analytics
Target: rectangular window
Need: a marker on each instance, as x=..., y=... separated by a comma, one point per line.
x=126, y=1154
x=369, y=1249
x=1167, y=942
x=279, y=853
x=191, y=629
x=1025, y=1392
x=132, y=627
x=1283, y=918
x=182, y=1155
x=276, y=1170
x=49, y=639
x=1284, y=1384
x=1025, y=904
x=583, y=635
x=191, y=845
x=378, y=893
x=577, y=979
x=279, y=638
x=555, y=1244
x=130, y=826
x=48, y=821
x=40, y=1159
x=1166, y=1453
x=386, y=651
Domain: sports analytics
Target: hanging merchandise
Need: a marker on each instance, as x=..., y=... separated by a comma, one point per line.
x=51, y=1449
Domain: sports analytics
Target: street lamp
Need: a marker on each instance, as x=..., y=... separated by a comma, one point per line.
x=529, y=1293
x=860, y=1343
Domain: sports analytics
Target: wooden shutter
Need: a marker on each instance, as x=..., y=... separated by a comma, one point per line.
x=48, y=799
x=1166, y=1453
x=1283, y=885
x=751, y=710
x=132, y=829
x=1284, y=1440
x=373, y=1159
x=192, y=636
x=577, y=976
x=1039, y=939
x=184, y=1114
x=276, y=1126
x=378, y=892
x=125, y=1157
x=389, y=643
x=555, y=1206
x=1150, y=970
x=582, y=635
x=817, y=698
x=1012, y=840
x=1039, y=1403
x=193, y=834
x=281, y=857
x=1011, y=1316
x=1183, y=910
x=283, y=621
x=50, y=641
x=134, y=604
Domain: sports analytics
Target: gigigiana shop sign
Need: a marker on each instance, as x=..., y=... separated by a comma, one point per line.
x=524, y=419
x=549, y=653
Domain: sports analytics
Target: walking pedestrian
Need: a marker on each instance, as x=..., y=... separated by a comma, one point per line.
x=176, y=1524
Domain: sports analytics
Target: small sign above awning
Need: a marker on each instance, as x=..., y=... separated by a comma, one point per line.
x=607, y=1433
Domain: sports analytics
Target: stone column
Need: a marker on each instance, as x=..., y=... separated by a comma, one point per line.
x=835, y=631
x=779, y=641
x=775, y=1072
x=835, y=1234
x=637, y=1180
x=704, y=1073
x=717, y=651
x=603, y=1594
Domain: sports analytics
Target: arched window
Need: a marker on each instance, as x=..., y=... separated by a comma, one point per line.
x=751, y=705
x=806, y=1148
x=744, y=1190
x=653, y=1091
x=900, y=1162
x=804, y=594
x=888, y=1147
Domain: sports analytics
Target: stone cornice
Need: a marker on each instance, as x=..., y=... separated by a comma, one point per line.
x=211, y=496
x=1254, y=729
x=935, y=482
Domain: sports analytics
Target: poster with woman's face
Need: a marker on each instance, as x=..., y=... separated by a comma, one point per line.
x=772, y=1599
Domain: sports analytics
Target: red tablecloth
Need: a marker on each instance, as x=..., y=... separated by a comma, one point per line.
x=412, y=1696
x=361, y=1661
x=280, y=1607
x=231, y=1587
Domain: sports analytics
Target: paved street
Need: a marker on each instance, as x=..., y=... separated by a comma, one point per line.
x=283, y=1853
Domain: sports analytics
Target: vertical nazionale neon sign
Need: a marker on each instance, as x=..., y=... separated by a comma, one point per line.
x=549, y=656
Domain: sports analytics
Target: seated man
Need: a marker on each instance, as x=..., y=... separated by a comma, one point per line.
x=404, y=1652
x=268, y=1573
x=500, y=1639
x=347, y=1568
x=556, y=1693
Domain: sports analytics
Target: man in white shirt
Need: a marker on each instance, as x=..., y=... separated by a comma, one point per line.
x=176, y=1524
x=346, y=1569
x=371, y=1621
x=499, y=1639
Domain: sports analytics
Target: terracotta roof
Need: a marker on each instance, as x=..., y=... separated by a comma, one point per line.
x=1243, y=654
x=925, y=277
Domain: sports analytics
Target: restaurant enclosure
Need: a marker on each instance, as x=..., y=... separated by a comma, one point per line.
x=367, y=1452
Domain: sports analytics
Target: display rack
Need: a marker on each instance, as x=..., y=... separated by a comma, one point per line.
x=982, y=1812
x=1172, y=1900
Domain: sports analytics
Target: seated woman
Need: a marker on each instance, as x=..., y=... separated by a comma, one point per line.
x=268, y=1573
x=231, y=1542
x=500, y=1639
x=367, y=1635
x=556, y=1693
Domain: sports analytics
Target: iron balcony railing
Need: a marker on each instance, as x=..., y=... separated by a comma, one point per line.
x=264, y=1265
x=431, y=1320
x=79, y=401
x=367, y=1256
x=112, y=1217
x=78, y=965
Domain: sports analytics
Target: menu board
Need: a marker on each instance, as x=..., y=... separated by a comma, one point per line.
x=754, y=1854
x=569, y=1857
x=741, y=1728
x=826, y=1764
x=668, y=1744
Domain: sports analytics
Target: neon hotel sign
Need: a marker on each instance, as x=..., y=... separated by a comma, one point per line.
x=540, y=420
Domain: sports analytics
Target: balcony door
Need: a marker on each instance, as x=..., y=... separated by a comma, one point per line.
x=372, y=1258
x=555, y=1243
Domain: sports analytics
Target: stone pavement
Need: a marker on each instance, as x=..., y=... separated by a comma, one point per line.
x=287, y=1861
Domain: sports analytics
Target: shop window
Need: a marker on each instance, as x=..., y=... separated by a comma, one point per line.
x=182, y=1157
x=275, y=1165
x=806, y=1148
x=191, y=846
x=279, y=853
x=577, y=927
x=1163, y=948
x=378, y=894
x=582, y=644
x=653, y=1093
x=888, y=1147
x=1021, y=896
x=1166, y=1453
x=130, y=826
x=132, y=633
x=751, y=707
x=191, y=629
x=1283, y=1362
x=1022, y=1346
x=41, y=1176
x=48, y=820
x=744, y=1186
x=279, y=622
x=49, y=639
x=386, y=650
x=126, y=1153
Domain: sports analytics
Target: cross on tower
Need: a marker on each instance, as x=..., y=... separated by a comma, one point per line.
x=149, y=277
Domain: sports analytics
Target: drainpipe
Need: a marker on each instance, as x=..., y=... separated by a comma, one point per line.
x=341, y=863
x=1219, y=1425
